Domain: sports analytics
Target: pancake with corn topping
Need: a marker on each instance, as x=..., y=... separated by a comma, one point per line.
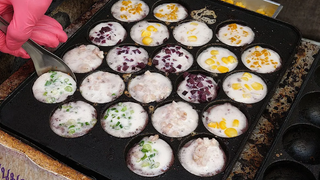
x=235, y=35
x=170, y=12
x=245, y=87
x=130, y=10
x=225, y=120
x=261, y=60
x=149, y=33
x=193, y=33
x=217, y=60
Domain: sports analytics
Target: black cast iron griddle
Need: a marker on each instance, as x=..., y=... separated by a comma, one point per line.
x=102, y=156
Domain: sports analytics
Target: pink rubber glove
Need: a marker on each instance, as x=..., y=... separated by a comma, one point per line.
x=27, y=20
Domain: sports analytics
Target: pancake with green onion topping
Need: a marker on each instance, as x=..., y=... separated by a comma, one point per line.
x=124, y=119
x=151, y=157
x=73, y=119
x=53, y=87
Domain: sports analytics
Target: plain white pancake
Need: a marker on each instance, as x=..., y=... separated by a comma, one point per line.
x=149, y=33
x=193, y=33
x=217, y=60
x=245, y=87
x=225, y=120
x=173, y=59
x=170, y=12
x=150, y=87
x=84, y=58
x=235, y=35
x=102, y=87
x=53, y=87
x=127, y=59
x=124, y=119
x=261, y=60
x=129, y=10
x=151, y=157
x=107, y=34
x=73, y=119
x=176, y=119
x=202, y=157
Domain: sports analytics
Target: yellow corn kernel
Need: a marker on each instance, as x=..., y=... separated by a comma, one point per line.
x=223, y=69
x=209, y=61
x=232, y=59
x=213, y=124
x=192, y=38
x=235, y=123
x=257, y=86
x=233, y=26
x=246, y=95
x=225, y=60
x=147, y=40
x=145, y=33
x=152, y=28
x=159, y=15
x=214, y=52
x=231, y=132
x=246, y=76
x=126, y=3
x=214, y=67
x=223, y=125
x=194, y=23
x=223, y=119
x=236, y=86
x=214, y=57
x=248, y=87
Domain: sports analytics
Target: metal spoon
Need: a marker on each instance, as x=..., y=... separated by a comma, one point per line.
x=43, y=59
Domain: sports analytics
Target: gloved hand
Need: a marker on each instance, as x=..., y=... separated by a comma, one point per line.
x=27, y=20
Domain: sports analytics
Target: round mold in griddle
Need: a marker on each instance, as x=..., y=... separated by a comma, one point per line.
x=175, y=15
x=263, y=58
x=127, y=58
x=301, y=142
x=237, y=40
x=187, y=142
x=309, y=108
x=140, y=153
x=217, y=58
x=175, y=119
x=102, y=42
x=150, y=33
x=124, y=119
x=234, y=128
x=172, y=58
x=287, y=170
x=197, y=86
x=192, y=33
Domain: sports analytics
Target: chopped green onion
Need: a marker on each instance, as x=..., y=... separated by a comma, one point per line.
x=45, y=93
x=48, y=83
x=124, y=109
x=144, y=157
x=72, y=131
x=66, y=79
x=147, y=147
x=68, y=88
x=141, y=143
x=145, y=164
x=72, y=126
